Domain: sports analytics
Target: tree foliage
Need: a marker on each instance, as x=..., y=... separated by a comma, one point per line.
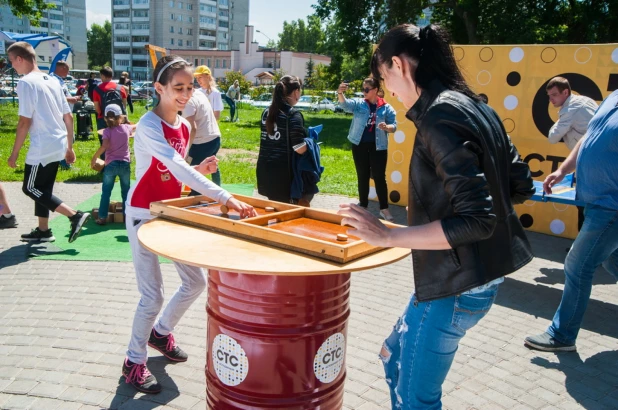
x=230, y=77
x=31, y=9
x=298, y=35
x=99, y=40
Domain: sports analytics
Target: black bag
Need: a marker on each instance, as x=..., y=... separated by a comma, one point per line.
x=84, y=123
x=113, y=96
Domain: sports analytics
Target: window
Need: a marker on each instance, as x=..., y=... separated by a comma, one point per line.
x=195, y=63
x=140, y=13
x=122, y=62
x=58, y=7
x=222, y=35
x=140, y=1
x=172, y=17
x=224, y=24
x=179, y=30
x=171, y=41
x=171, y=29
x=180, y=5
x=190, y=31
x=208, y=64
x=171, y=3
x=217, y=63
x=223, y=46
x=207, y=20
x=141, y=39
x=140, y=26
x=207, y=44
x=121, y=2
x=209, y=9
x=122, y=39
x=121, y=13
x=140, y=63
x=204, y=32
x=189, y=43
x=122, y=51
x=179, y=42
x=51, y=16
x=189, y=6
x=224, y=63
x=179, y=17
x=224, y=13
x=190, y=19
x=223, y=2
x=201, y=61
x=121, y=26
x=55, y=26
x=20, y=22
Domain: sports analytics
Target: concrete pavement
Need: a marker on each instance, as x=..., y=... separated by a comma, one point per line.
x=65, y=325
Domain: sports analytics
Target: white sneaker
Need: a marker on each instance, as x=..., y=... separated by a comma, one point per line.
x=386, y=215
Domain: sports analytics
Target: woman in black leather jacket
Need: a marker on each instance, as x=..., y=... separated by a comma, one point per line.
x=282, y=128
x=465, y=176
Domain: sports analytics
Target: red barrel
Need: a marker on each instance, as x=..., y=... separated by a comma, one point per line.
x=276, y=342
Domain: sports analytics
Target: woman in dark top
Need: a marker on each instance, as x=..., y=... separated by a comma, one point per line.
x=465, y=176
x=282, y=128
x=128, y=84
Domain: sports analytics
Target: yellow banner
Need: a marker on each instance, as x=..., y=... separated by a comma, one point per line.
x=513, y=78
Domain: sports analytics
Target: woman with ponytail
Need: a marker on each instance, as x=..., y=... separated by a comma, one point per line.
x=465, y=176
x=282, y=128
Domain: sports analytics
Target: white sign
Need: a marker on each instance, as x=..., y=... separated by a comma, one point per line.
x=230, y=361
x=329, y=359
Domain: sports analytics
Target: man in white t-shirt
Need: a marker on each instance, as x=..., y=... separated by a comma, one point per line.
x=205, y=138
x=45, y=114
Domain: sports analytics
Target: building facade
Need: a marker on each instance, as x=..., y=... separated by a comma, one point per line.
x=67, y=20
x=173, y=24
x=251, y=60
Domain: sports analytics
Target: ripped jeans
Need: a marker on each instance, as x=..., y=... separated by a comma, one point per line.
x=419, y=352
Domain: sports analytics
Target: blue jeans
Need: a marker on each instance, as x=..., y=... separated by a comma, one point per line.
x=596, y=244
x=122, y=170
x=199, y=152
x=232, y=105
x=419, y=352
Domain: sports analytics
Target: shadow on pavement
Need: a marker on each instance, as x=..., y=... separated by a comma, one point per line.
x=593, y=379
x=127, y=398
x=542, y=301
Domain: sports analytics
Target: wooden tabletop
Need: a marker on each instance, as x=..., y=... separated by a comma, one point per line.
x=198, y=247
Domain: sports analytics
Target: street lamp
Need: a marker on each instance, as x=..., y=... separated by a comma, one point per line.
x=269, y=39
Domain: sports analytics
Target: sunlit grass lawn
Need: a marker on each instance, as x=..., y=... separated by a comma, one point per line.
x=240, y=145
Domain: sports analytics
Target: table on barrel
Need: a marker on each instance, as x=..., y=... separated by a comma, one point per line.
x=277, y=320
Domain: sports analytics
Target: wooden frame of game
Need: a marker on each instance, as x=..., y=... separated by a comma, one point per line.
x=305, y=230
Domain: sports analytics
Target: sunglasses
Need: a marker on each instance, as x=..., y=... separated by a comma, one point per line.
x=366, y=90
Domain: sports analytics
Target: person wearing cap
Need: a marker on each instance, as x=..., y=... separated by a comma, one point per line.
x=208, y=86
x=115, y=144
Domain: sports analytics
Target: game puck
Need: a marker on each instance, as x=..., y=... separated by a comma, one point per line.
x=224, y=209
x=342, y=237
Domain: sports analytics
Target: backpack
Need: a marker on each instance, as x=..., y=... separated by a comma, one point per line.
x=113, y=96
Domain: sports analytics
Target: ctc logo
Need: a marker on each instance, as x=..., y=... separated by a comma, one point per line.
x=227, y=358
x=333, y=356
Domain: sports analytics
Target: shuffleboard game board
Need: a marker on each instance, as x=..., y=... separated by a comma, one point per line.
x=305, y=230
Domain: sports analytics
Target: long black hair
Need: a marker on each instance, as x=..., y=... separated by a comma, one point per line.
x=429, y=49
x=286, y=86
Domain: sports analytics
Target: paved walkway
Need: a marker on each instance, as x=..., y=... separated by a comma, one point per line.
x=64, y=327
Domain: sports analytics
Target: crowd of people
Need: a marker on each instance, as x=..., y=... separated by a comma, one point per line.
x=465, y=177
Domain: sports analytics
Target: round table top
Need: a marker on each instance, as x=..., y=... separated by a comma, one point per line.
x=198, y=247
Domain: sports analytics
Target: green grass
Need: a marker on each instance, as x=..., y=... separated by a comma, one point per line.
x=240, y=145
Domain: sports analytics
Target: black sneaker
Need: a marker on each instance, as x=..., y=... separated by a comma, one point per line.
x=10, y=222
x=138, y=376
x=546, y=343
x=37, y=235
x=77, y=221
x=167, y=345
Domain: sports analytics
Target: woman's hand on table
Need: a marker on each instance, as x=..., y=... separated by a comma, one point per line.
x=245, y=210
x=364, y=225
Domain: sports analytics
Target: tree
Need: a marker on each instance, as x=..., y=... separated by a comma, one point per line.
x=31, y=9
x=230, y=77
x=309, y=76
x=277, y=75
x=99, y=40
x=301, y=36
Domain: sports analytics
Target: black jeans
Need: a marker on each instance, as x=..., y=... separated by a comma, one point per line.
x=39, y=185
x=370, y=164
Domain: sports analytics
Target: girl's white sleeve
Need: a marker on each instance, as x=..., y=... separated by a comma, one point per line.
x=156, y=145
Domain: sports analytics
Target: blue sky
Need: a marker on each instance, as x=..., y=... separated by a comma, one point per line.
x=266, y=15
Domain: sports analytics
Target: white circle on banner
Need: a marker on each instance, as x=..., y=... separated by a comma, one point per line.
x=529, y=203
x=398, y=157
x=510, y=102
x=516, y=54
x=483, y=77
x=399, y=137
x=557, y=226
x=396, y=177
x=615, y=55
x=328, y=360
x=229, y=360
x=372, y=192
x=582, y=55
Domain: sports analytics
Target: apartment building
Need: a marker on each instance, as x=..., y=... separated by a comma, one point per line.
x=173, y=24
x=67, y=20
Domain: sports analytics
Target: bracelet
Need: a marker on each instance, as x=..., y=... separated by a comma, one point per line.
x=339, y=93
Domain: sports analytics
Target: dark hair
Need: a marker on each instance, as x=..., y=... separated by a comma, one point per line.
x=428, y=49
x=107, y=72
x=559, y=82
x=167, y=75
x=372, y=82
x=122, y=80
x=286, y=86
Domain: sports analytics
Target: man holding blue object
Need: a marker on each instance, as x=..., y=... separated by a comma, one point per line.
x=595, y=156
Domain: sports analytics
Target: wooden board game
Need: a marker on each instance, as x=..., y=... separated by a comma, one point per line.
x=305, y=230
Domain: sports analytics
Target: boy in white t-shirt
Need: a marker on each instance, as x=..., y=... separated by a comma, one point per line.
x=45, y=113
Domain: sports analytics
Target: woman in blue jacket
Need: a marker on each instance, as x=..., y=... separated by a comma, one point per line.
x=373, y=120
